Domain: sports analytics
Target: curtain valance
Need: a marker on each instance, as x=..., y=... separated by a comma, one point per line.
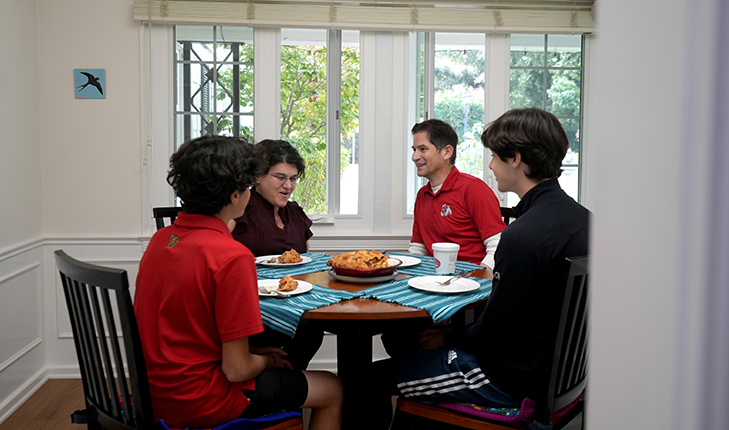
x=503, y=16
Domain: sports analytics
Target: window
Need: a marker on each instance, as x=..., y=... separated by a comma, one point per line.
x=347, y=99
x=455, y=63
x=214, y=88
x=319, y=103
x=546, y=72
x=320, y=115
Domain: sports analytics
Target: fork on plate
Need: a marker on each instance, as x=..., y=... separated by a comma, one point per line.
x=263, y=290
x=451, y=279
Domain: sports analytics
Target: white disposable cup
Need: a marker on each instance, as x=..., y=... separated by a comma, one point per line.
x=445, y=255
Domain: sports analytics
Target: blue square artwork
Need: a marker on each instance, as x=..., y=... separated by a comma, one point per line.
x=89, y=83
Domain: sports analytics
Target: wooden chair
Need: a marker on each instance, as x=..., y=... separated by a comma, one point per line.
x=508, y=214
x=100, y=309
x=567, y=381
x=165, y=213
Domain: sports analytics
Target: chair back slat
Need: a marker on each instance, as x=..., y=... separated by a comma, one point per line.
x=87, y=338
x=165, y=213
x=508, y=214
x=106, y=374
x=118, y=399
x=569, y=363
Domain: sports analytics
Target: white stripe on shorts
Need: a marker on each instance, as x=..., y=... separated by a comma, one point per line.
x=444, y=383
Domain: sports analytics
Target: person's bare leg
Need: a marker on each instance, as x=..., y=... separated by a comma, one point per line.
x=325, y=400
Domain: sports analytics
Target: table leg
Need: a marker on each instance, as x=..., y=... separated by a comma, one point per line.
x=354, y=357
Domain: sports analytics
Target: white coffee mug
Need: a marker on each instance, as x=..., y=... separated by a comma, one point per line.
x=445, y=255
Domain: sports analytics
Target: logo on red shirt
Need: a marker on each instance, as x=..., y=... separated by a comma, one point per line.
x=445, y=210
x=173, y=241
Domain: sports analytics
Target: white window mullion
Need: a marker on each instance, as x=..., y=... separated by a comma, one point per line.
x=496, y=97
x=157, y=139
x=429, y=76
x=334, y=103
x=267, y=109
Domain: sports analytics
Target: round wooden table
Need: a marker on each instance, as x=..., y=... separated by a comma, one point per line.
x=355, y=322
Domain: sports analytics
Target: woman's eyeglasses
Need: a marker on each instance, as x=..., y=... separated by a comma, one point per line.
x=283, y=178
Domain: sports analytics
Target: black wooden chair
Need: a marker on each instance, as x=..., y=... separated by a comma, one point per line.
x=566, y=384
x=100, y=309
x=165, y=213
x=508, y=214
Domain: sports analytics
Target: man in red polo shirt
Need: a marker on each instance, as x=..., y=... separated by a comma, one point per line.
x=452, y=206
x=196, y=303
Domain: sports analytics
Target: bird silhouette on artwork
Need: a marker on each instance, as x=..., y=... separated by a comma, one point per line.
x=92, y=80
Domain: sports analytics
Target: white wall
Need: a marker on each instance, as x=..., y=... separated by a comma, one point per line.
x=651, y=105
x=91, y=151
x=69, y=172
x=20, y=160
x=22, y=353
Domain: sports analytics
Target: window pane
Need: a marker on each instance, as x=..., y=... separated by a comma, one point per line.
x=214, y=88
x=526, y=88
x=563, y=94
x=304, y=110
x=527, y=50
x=349, y=123
x=572, y=129
x=459, y=93
x=564, y=50
x=551, y=80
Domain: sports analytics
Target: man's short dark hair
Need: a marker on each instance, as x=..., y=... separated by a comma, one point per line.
x=440, y=134
x=273, y=152
x=204, y=172
x=535, y=134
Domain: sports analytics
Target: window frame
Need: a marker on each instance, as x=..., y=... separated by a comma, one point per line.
x=386, y=84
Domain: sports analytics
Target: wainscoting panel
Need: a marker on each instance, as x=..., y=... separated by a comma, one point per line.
x=22, y=351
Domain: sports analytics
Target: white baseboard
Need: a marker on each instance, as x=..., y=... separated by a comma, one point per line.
x=23, y=393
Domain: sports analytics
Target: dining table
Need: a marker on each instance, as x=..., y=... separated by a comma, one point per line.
x=356, y=316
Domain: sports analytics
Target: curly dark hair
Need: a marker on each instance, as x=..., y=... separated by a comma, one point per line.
x=204, y=172
x=274, y=152
x=440, y=134
x=535, y=134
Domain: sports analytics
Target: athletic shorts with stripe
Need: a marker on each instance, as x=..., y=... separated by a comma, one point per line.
x=447, y=375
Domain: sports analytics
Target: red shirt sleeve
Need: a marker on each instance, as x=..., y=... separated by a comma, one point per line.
x=237, y=310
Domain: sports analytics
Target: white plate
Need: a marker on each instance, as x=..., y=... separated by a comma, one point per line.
x=272, y=284
x=362, y=279
x=430, y=283
x=407, y=261
x=264, y=261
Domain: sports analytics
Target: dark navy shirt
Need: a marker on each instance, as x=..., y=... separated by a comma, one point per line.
x=512, y=337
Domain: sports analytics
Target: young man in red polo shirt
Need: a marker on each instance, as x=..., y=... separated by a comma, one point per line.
x=196, y=303
x=452, y=206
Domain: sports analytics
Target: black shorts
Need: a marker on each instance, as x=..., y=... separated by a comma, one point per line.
x=276, y=390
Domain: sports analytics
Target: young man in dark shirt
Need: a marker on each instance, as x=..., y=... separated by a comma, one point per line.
x=502, y=357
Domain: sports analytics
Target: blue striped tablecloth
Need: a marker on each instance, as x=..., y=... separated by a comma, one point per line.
x=427, y=266
x=318, y=263
x=439, y=306
x=283, y=314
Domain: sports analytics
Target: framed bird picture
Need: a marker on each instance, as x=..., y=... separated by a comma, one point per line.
x=89, y=83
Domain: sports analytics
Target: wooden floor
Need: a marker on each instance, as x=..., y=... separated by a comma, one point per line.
x=49, y=408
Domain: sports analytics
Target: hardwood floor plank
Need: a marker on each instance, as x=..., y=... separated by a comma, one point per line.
x=49, y=408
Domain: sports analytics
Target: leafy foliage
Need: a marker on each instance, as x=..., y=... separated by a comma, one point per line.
x=549, y=82
x=459, y=100
x=303, y=111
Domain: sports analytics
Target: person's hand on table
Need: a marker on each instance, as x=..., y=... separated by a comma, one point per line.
x=276, y=354
x=432, y=338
